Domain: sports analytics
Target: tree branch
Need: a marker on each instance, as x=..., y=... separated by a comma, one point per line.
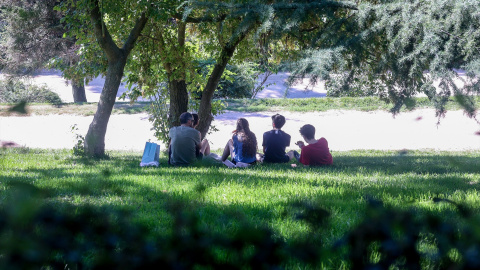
x=101, y=32
x=135, y=33
x=189, y=19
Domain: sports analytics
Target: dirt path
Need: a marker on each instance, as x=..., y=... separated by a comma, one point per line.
x=344, y=130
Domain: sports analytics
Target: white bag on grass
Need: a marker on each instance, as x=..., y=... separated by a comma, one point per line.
x=151, y=155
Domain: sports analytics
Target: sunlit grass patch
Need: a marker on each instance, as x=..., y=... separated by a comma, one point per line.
x=264, y=194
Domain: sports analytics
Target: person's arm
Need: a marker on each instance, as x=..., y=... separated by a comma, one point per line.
x=198, y=143
x=300, y=144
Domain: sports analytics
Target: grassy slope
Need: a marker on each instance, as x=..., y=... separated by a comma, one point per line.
x=244, y=105
x=262, y=194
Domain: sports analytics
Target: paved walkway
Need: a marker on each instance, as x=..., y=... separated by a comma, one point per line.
x=344, y=130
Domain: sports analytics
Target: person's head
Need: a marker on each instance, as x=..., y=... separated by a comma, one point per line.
x=242, y=125
x=278, y=121
x=185, y=117
x=308, y=132
x=195, y=119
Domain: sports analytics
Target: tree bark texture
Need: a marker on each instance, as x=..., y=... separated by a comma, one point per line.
x=95, y=138
x=177, y=85
x=178, y=101
x=205, y=109
x=78, y=91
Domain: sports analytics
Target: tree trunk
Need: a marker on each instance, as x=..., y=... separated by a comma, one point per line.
x=95, y=138
x=176, y=84
x=78, y=91
x=117, y=58
x=178, y=101
x=205, y=110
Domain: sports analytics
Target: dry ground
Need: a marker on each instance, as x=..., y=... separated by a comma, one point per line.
x=344, y=130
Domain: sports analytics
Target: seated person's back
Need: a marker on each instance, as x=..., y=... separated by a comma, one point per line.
x=184, y=141
x=275, y=141
x=242, y=147
x=316, y=152
x=239, y=153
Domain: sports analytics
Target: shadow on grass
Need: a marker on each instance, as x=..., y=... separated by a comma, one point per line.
x=425, y=172
x=260, y=193
x=128, y=108
x=264, y=194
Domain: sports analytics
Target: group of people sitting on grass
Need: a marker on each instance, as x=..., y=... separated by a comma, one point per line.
x=186, y=145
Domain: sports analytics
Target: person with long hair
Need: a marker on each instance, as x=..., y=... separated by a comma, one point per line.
x=242, y=147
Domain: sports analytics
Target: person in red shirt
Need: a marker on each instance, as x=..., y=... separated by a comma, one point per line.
x=316, y=152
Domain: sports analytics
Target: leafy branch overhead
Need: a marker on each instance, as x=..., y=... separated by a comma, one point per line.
x=399, y=49
x=33, y=37
x=228, y=32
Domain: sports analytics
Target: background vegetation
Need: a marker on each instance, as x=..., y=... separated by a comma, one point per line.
x=14, y=90
x=251, y=105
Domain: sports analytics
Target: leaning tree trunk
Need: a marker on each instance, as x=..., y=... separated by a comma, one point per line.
x=95, y=138
x=117, y=58
x=205, y=109
x=178, y=101
x=78, y=90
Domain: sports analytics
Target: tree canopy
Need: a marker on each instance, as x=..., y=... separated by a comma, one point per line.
x=225, y=32
x=33, y=38
x=179, y=32
x=398, y=49
x=394, y=49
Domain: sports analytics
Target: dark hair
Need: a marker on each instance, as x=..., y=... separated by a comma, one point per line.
x=249, y=147
x=308, y=131
x=184, y=117
x=278, y=120
x=195, y=119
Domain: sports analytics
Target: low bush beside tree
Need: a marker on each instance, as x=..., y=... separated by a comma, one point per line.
x=14, y=90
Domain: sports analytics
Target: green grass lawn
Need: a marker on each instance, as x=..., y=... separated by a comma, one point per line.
x=263, y=194
x=247, y=105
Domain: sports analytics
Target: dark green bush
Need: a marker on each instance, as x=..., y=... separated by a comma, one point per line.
x=13, y=90
x=36, y=235
x=410, y=239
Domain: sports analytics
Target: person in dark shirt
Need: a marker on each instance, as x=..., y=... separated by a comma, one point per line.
x=275, y=141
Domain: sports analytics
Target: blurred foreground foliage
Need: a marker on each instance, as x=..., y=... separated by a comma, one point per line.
x=38, y=234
